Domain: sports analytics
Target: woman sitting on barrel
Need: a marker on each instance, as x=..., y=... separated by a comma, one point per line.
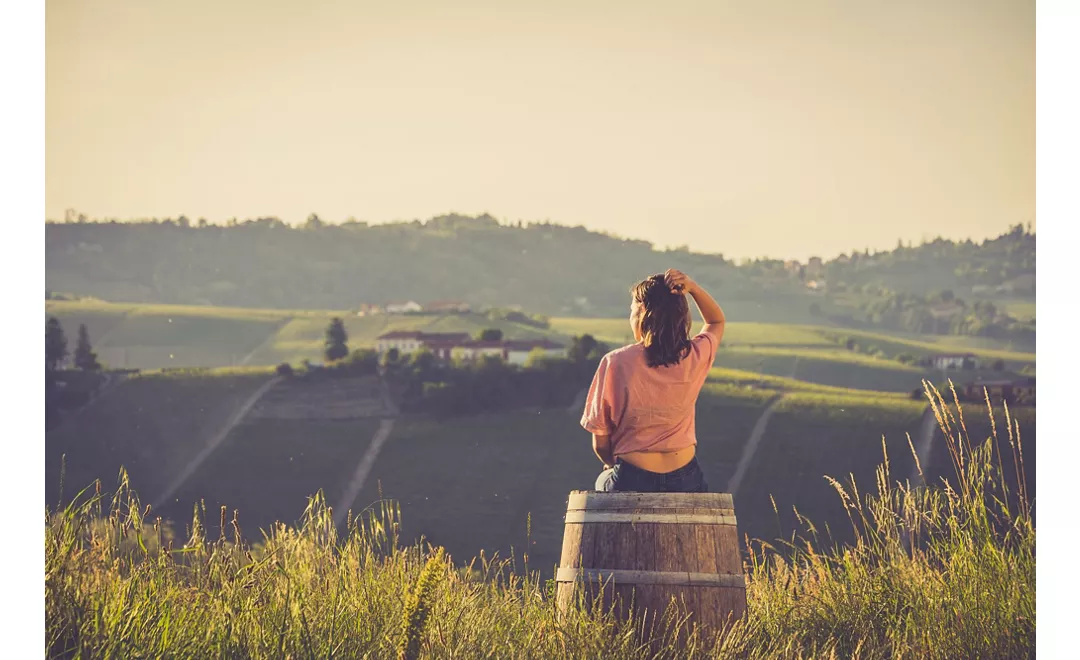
x=640, y=408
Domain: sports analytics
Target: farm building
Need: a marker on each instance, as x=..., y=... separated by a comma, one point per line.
x=410, y=307
x=458, y=345
x=946, y=310
x=512, y=351
x=953, y=361
x=411, y=341
x=517, y=352
x=1010, y=390
x=368, y=310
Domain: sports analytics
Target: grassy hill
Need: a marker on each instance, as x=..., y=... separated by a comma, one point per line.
x=156, y=336
x=152, y=425
x=491, y=482
x=818, y=354
x=304, y=591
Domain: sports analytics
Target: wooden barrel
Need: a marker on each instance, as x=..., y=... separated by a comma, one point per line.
x=639, y=552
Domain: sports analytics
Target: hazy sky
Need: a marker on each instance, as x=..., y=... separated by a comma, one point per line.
x=760, y=127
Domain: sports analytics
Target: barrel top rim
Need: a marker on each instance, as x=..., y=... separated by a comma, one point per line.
x=601, y=493
x=590, y=500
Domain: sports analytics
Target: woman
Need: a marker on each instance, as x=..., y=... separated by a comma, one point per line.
x=640, y=408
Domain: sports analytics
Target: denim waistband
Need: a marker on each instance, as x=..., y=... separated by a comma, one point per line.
x=633, y=468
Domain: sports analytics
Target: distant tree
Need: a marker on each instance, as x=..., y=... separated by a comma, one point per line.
x=536, y=356
x=363, y=361
x=585, y=348
x=392, y=361
x=313, y=222
x=203, y=223
x=183, y=222
x=285, y=369
x=56, y=349
x=337, y=339
x=490, y=334
x=423, y=364
x=85, y=357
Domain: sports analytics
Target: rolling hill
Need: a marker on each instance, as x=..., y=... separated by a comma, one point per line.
x=162, y=336
x=496, y=481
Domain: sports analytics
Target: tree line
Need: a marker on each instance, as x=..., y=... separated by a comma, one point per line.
x=555, y=269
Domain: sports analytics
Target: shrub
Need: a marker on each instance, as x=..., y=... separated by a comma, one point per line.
x=285, y=369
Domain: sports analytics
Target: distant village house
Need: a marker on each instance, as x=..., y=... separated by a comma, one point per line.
x=953, y=361
x=410, y=307
x=446, y=346
x=411, y=341
x=368, y=310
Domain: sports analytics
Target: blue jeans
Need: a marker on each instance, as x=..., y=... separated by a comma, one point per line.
x=625, y=476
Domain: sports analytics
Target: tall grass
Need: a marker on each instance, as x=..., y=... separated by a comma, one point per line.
x=944, y=571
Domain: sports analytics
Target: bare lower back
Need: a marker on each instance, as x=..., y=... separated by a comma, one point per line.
x=661, y=462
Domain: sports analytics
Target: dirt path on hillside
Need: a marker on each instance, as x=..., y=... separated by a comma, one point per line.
x=923, y=445
x=216, y=441
x=751, y=447
x=356, y=484
x=269, y=338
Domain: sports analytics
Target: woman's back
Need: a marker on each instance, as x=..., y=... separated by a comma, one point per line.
x=641, y=404
x=647, y=408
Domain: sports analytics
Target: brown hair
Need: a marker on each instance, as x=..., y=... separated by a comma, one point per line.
x=664, y=318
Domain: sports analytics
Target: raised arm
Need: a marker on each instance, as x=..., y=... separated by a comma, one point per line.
x=709, y=309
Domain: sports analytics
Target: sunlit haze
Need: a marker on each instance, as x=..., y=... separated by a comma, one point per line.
x=749, y=128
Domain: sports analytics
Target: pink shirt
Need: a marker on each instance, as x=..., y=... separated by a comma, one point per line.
x=644, y=408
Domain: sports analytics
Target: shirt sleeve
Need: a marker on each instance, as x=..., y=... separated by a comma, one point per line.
x=704, y=347
x=597, y=417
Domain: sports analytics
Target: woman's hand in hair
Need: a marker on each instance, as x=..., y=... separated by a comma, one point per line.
x=679, y=282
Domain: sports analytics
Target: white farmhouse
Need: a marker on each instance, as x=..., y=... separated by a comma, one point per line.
x=517, y=352
x=410, y=307
x=952, y=360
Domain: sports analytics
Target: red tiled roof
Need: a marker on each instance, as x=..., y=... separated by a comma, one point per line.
x=401, y=334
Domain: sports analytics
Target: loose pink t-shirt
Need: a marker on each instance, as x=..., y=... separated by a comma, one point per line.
x=644, y=408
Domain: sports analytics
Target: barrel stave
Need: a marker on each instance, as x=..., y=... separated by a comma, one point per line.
x=696, y=545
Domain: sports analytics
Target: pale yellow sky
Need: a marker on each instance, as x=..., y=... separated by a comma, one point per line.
x=760, y=127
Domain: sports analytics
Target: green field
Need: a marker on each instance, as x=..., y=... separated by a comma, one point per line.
x=495, y=482
x=152, y=425
x=265, y=470
x=155, y=336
